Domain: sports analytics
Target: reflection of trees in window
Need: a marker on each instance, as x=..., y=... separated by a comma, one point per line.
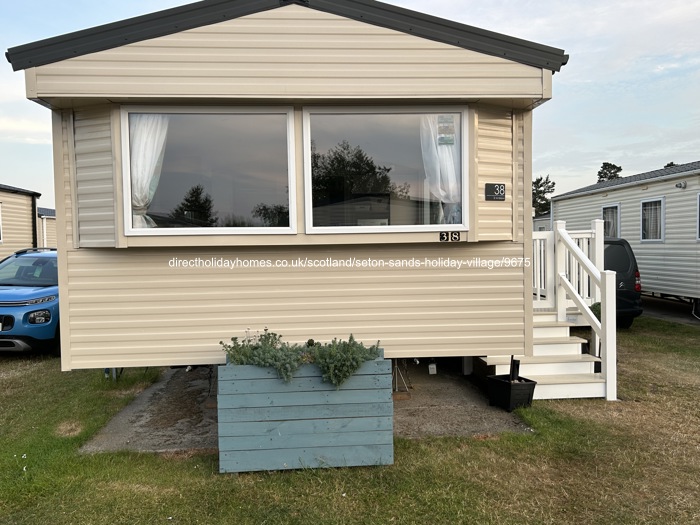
x=345, y=171
x=196, y=208
x=272, y=215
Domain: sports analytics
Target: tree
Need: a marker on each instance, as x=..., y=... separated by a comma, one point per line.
x=345, y=171
x=272, y=215
x=608, y=171
x=541, y=187
x=669, y=165
x=196, y=208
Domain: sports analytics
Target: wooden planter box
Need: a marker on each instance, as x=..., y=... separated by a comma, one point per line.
x=267, y=424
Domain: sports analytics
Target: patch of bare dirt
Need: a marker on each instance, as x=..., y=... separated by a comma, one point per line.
x=177, y=415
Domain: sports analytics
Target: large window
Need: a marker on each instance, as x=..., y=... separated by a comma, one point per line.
x=379, y=169
x=611, y=220
x=209, y=170
x=652, y=222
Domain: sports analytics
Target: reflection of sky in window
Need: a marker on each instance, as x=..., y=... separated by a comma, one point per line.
x=239, y=159
x=391, y=140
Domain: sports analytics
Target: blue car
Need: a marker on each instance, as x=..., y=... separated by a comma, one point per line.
x=29, y=301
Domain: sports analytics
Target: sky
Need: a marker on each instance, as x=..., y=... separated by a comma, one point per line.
x=629, y=95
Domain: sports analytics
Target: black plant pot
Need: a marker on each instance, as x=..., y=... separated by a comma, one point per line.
x=508, y=394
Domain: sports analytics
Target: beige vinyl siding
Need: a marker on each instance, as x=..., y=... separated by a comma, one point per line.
x=46, y=232
x=64, y=176
x=288, y=53
x=495, y=165
x=17, y=225
x=669, y=267
x=95, y=182
x=522, y=182
x=131, y=308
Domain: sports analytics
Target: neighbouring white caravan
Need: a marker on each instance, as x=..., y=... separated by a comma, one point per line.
x=658, y=213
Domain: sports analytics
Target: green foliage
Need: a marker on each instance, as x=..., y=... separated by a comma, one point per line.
x=595, y=308
x=609, y=171
x=338, y=360
x=541, y=187
x=266, y=349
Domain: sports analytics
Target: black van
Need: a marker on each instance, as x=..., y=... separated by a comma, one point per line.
x=620, y=258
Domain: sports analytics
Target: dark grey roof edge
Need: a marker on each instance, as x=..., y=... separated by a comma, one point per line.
x=131, y=30
x=207, y=12
x=45, y=212
x=677, y=170
x=12, y=189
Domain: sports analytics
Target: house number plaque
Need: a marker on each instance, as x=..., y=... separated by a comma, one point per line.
x=495, y=192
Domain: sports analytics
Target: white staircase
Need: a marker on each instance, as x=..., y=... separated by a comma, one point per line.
x=558, y=364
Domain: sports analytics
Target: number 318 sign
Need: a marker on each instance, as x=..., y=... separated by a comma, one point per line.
x=495, y=192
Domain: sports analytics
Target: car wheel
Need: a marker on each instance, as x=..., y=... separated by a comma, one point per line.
x=624, y=322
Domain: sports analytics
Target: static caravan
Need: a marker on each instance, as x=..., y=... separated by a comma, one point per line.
x=316, y=167
x=542, y=223
x=46, y=224
x=658, y=213
x=18, y=219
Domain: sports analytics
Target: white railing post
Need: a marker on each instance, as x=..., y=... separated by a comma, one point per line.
x=598, y=251
x=598, y=259
x=559, y=268
x=608, y=312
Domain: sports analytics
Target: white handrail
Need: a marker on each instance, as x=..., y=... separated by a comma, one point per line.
x=557, y=248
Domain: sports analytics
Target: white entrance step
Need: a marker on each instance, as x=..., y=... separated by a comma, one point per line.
x=570, y=345
x=545, y=365
x=568, y=386
x=542, y=329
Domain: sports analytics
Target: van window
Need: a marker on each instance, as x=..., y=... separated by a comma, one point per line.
x=617, y=258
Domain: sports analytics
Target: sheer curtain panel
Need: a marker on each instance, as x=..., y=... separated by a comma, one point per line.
x=147, y=136
x=440, y=147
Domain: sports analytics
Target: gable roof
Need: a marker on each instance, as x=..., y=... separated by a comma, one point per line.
x=691, y=168
x=12, y=189
x=208, y=12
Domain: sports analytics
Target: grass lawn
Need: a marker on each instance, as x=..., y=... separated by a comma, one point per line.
x=588, y=461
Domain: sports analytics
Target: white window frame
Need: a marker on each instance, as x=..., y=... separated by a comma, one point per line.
x=615, y=205
x=697, y=218
x=246, y=110
x=662, y=200
x=353, y=110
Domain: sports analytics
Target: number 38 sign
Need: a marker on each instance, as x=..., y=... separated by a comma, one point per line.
x=495, y=192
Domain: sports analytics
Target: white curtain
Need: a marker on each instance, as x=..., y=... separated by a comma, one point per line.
x=610, y=222
x=651, y=220
x=147, y=135
x=440, y=147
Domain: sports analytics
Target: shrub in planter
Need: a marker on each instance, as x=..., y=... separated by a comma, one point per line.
x=285, y=406
x=338, y=360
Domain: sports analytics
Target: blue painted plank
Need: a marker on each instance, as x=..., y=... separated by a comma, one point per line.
x=232, y=372
x=257, y=460
x=301, y=384
x=317, y=412
x=300, y=399
x=303, y=426
x=326, y=439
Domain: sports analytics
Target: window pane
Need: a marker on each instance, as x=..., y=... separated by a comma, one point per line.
x=610, y=220
x=386, y=169
x=193, y=170
x=651, y=220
